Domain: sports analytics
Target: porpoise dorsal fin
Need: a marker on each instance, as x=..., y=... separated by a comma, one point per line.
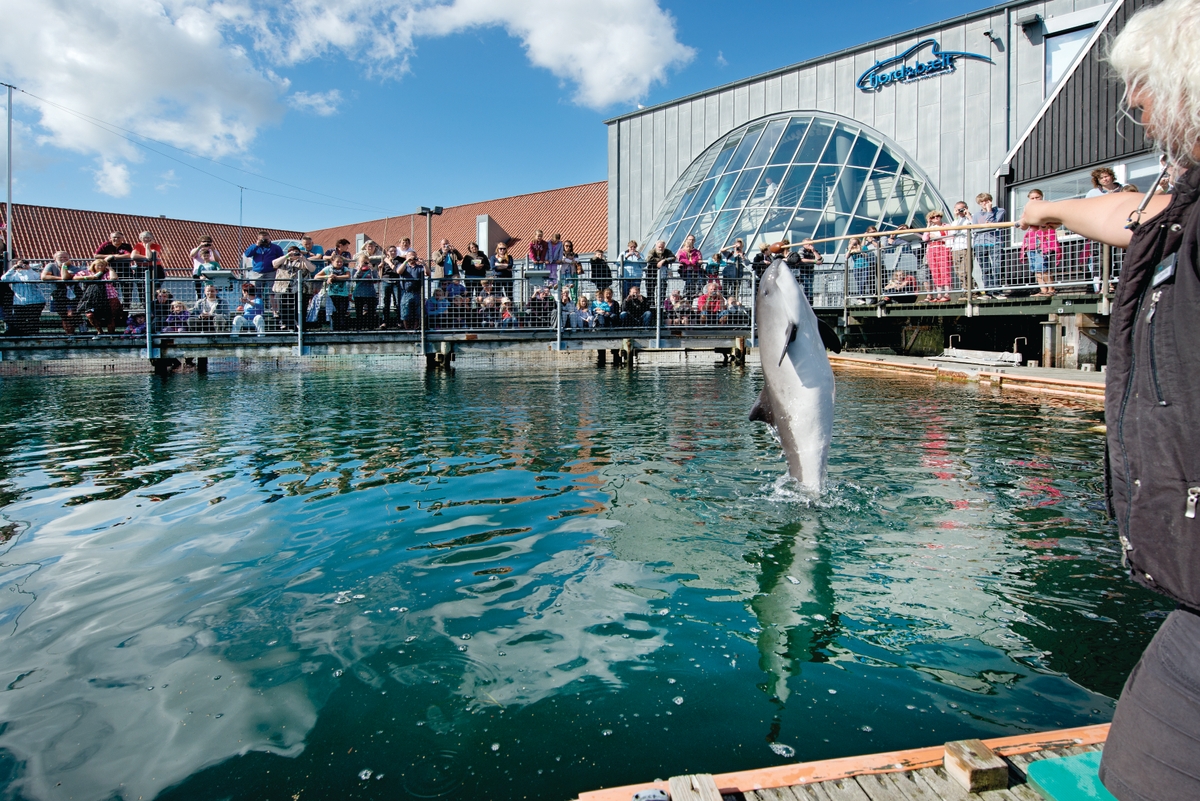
x=762, y=409
x=791, y=338
x=829, y=337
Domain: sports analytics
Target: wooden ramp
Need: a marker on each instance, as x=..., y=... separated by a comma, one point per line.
x=994, y=769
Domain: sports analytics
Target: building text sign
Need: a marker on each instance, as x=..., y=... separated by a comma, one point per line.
x=908, y=66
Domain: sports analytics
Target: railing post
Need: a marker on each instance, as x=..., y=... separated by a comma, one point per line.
x=301, y=312
x=150, y=354
x=1106, y=278
x=660, y=299
x=422, y=299
x=969, y=282
x=753, y=307
x=558, y=319
x=846, y=292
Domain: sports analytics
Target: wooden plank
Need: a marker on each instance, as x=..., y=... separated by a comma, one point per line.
x=896, y=787
x=693, y=787
x=941, y=785
x=846, y=789
x=778, y=794
x=975, y=766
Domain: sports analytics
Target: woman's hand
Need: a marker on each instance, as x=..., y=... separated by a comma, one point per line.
x=1039, y=214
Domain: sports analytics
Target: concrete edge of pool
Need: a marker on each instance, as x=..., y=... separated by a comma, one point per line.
x=843, y=777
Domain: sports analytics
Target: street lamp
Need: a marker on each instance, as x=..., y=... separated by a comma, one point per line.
x=428, y=214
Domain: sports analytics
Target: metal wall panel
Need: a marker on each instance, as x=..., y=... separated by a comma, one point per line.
x=772, y=95
x=646, y=203
x=757, y=101
x=790, y=84
x=658, y=149
x=725, y=110
x=741, y=107
x=671, y=147
x=614, y=182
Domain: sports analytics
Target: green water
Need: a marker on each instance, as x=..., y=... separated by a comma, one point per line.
x=531, y=582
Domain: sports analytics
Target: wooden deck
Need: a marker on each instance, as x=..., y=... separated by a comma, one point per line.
x=913, y=775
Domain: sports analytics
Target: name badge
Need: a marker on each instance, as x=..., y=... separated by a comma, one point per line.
x=1165, y=270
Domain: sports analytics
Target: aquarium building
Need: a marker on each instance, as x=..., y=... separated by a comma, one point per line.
x=996, y=101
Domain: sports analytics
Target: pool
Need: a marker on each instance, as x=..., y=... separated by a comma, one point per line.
x=526, y=582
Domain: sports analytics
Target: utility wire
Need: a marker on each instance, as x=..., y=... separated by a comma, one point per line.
x=108, y=126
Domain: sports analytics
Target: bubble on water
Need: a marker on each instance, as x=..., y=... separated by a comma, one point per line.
x=394, y=609
x=664, y=612
x=273, y=642
x=402, y=609
x=669, y=681
x=785, y=751
x=833, y=692
x=149, y=688
x=495, y=746
x=733, y=663
x=867, y=728
x=793, y=579
x=337, y=674
x=378, y=776
x=220, y=715
x=465, y=637
x=909, y=706
x=605, y=732
x=410, y=638
x=818, y=617
x=216, y=678
x=954, y=706
x=462, y=647
x=503, y=653
x=493, y=578
x=342, y=598
x=359, y=597
x=624, y=636
x=678, y=700
x=755, y=630
x=365, y=774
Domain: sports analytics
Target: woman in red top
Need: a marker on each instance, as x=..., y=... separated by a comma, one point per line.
x=691, y=267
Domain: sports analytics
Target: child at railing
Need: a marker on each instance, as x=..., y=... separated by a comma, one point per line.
x=177, y=321
x=136, y=326
x=902, y=282
x=508, y=317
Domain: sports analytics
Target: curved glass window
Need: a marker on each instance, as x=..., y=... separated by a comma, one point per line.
x=794, y=175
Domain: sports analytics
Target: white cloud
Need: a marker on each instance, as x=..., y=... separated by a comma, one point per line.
x=323, y=104
x=612, y=50
x=721, y=60
x=166, y=181
x=112, y=178
x=202, y=74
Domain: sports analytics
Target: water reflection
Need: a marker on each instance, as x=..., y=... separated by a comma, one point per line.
x=222, y=586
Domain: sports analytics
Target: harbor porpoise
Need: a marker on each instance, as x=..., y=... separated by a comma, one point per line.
x=798, y=397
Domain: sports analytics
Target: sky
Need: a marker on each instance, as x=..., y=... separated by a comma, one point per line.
x=328, y=112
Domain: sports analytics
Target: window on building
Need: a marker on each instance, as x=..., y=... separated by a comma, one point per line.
x=1061, y=50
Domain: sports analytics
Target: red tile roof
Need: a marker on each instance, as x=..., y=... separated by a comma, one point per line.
x=579, y=213
x=40, y=231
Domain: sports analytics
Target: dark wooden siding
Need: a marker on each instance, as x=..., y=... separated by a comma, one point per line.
x=1084, y=126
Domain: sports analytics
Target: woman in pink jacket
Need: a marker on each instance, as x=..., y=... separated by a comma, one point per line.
x=1040, y=246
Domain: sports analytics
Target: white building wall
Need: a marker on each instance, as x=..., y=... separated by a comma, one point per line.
x=958, y=127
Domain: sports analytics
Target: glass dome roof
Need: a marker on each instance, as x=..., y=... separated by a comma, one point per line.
x=794, y=175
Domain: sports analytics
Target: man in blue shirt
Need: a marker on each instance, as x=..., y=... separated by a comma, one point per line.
x=263, y=254
x=986, y=244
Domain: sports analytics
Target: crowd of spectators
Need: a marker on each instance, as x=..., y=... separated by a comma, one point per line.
x=305, y=285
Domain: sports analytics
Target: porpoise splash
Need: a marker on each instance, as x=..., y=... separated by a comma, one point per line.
x=798, y=397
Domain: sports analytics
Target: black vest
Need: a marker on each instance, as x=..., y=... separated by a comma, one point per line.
x=1152, y=400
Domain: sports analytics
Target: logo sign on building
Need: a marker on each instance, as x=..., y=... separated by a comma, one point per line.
x=909, y=66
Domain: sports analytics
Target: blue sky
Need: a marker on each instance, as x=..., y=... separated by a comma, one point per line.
x=376, y=106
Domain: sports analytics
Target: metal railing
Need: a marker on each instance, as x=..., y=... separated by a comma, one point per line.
x=965, y=267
